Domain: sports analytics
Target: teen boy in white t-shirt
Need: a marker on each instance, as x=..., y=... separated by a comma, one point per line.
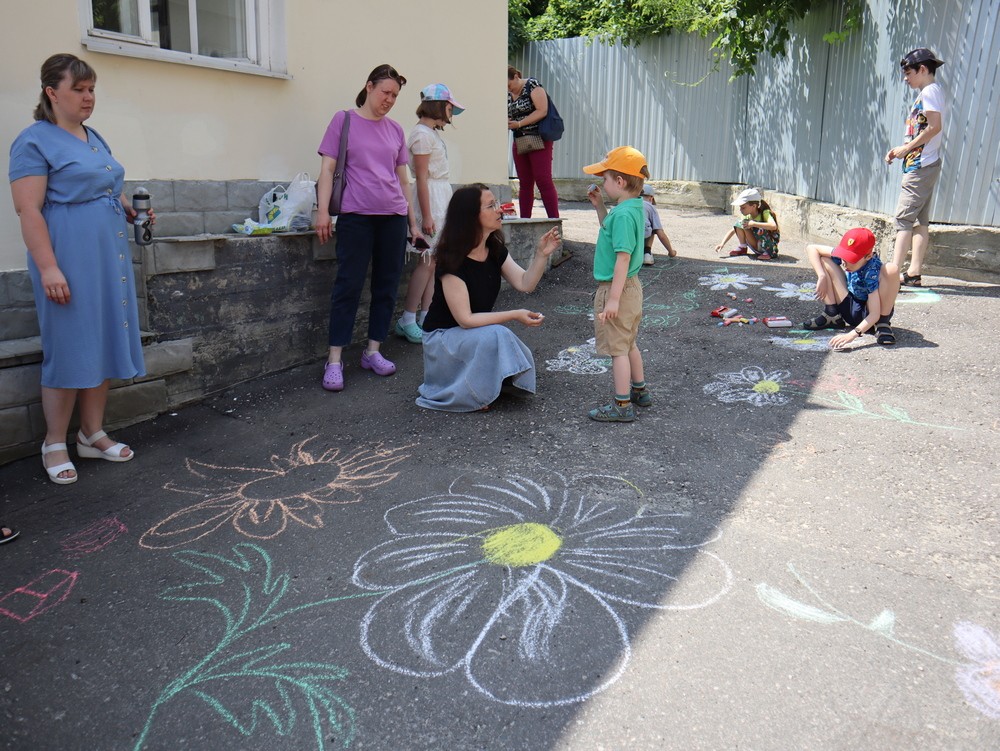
x=921, y=155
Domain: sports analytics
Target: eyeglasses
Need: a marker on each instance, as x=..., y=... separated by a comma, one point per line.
x=495, y=206
x=386, y=71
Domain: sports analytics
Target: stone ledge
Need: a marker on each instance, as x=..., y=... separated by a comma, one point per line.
x=166, y=358
x=522, y=236
x=28, y=350
x=172, y=255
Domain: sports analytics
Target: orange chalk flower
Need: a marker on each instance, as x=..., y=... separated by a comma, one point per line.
x=260, y=501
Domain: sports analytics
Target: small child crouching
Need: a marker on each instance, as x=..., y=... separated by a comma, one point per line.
x=653, y=227
x=618, y=256
x=757, y=230
x=855, y=287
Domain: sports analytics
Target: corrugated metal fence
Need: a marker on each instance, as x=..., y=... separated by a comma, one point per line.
x=816, y=123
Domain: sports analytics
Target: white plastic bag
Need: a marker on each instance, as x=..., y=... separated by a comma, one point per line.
x=289, y=209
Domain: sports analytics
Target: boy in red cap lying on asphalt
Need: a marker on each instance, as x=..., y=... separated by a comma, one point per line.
x=857, y=289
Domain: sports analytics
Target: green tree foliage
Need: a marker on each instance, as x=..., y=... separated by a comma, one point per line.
x=741, y=30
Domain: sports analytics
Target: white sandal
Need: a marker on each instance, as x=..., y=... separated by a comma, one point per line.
x=86, y=449
x=53, y=472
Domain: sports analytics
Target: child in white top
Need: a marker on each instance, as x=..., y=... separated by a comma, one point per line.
x=921, y=157
x=429, y=164
x=653, y=226
x=757, y=230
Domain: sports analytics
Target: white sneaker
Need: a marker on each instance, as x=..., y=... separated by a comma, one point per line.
x=647, y=260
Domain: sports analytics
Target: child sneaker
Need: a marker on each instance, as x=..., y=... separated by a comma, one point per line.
x=410, y=331
x=613, y=413
x=375, y=362
x=647, y=259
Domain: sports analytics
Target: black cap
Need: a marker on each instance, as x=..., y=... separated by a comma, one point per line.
x=919, y=56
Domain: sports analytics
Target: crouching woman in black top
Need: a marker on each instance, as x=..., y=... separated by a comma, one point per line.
x=468, y=352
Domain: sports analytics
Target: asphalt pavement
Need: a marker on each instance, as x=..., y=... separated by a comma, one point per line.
x=793, y=548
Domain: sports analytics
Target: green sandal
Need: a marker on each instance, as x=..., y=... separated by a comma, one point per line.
x=613, y=413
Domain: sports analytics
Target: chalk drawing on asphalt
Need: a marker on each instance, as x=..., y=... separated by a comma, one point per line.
x=93, y=537
x=727, y=279
x=542, y=571
x=752, y=384
x=576, y=310
x=833, y=383
x=803, y=342
x=38, y=596
x=762, y=388
x=656, y=315
x=977, y=675
x=581, y=359
x=245, y=682
x=796, y=290
x=917, y=295
x=261, y=502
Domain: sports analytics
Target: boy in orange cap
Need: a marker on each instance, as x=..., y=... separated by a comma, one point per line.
x=858, y=290
x=618, y=257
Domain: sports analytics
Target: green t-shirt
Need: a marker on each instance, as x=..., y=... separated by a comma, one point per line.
x=622, y=233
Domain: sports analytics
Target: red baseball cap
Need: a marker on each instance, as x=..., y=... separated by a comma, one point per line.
x=855, y=245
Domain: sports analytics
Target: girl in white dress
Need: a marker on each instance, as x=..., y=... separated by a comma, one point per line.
x=429, y=164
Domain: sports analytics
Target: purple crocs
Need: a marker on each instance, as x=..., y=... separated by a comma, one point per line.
x=377, y=363
x=333, y=376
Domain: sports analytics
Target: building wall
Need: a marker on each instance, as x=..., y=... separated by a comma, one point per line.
x=167, y=121
x=815, y=123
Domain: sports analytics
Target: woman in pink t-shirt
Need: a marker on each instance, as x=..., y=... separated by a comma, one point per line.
x=372, y=226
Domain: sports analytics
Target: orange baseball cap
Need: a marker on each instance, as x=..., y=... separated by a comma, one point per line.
x=855, y=245
x=624, y=159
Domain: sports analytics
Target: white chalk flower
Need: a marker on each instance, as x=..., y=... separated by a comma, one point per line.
x=752, y=384
x=727, y=280
x=519, y=584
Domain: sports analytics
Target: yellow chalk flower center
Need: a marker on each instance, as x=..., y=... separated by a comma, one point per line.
x=767, y=387
x=521, y=545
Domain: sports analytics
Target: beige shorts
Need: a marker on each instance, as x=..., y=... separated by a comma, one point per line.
x=915, y=196
x=617, y=337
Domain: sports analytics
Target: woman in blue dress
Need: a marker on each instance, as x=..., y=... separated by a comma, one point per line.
x=469, y=355
x=68, y=194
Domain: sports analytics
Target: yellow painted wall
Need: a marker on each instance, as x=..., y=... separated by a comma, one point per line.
x=170, y=121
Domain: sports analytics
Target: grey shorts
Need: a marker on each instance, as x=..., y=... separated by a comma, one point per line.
x=915, y=196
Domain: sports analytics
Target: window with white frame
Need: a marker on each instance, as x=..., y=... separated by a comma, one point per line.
x=244, y=35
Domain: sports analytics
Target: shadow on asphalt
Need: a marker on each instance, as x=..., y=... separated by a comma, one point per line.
x=283, y=567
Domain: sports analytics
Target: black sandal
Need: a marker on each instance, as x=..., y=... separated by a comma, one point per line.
x=825, y=321
x=910, y=281
x=884, y=335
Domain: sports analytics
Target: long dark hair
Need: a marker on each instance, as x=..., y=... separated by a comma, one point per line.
x=380, y=73
x=462, y=230
x=53, y=71
x=774, y=215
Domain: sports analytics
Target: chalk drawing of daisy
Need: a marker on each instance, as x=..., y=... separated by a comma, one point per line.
x=806, y=343
x=753, y=384
x=519, y=584
x=260, y=502
x=726, y=280
x=979, y=680
x=800, y=290
x=581, y=360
